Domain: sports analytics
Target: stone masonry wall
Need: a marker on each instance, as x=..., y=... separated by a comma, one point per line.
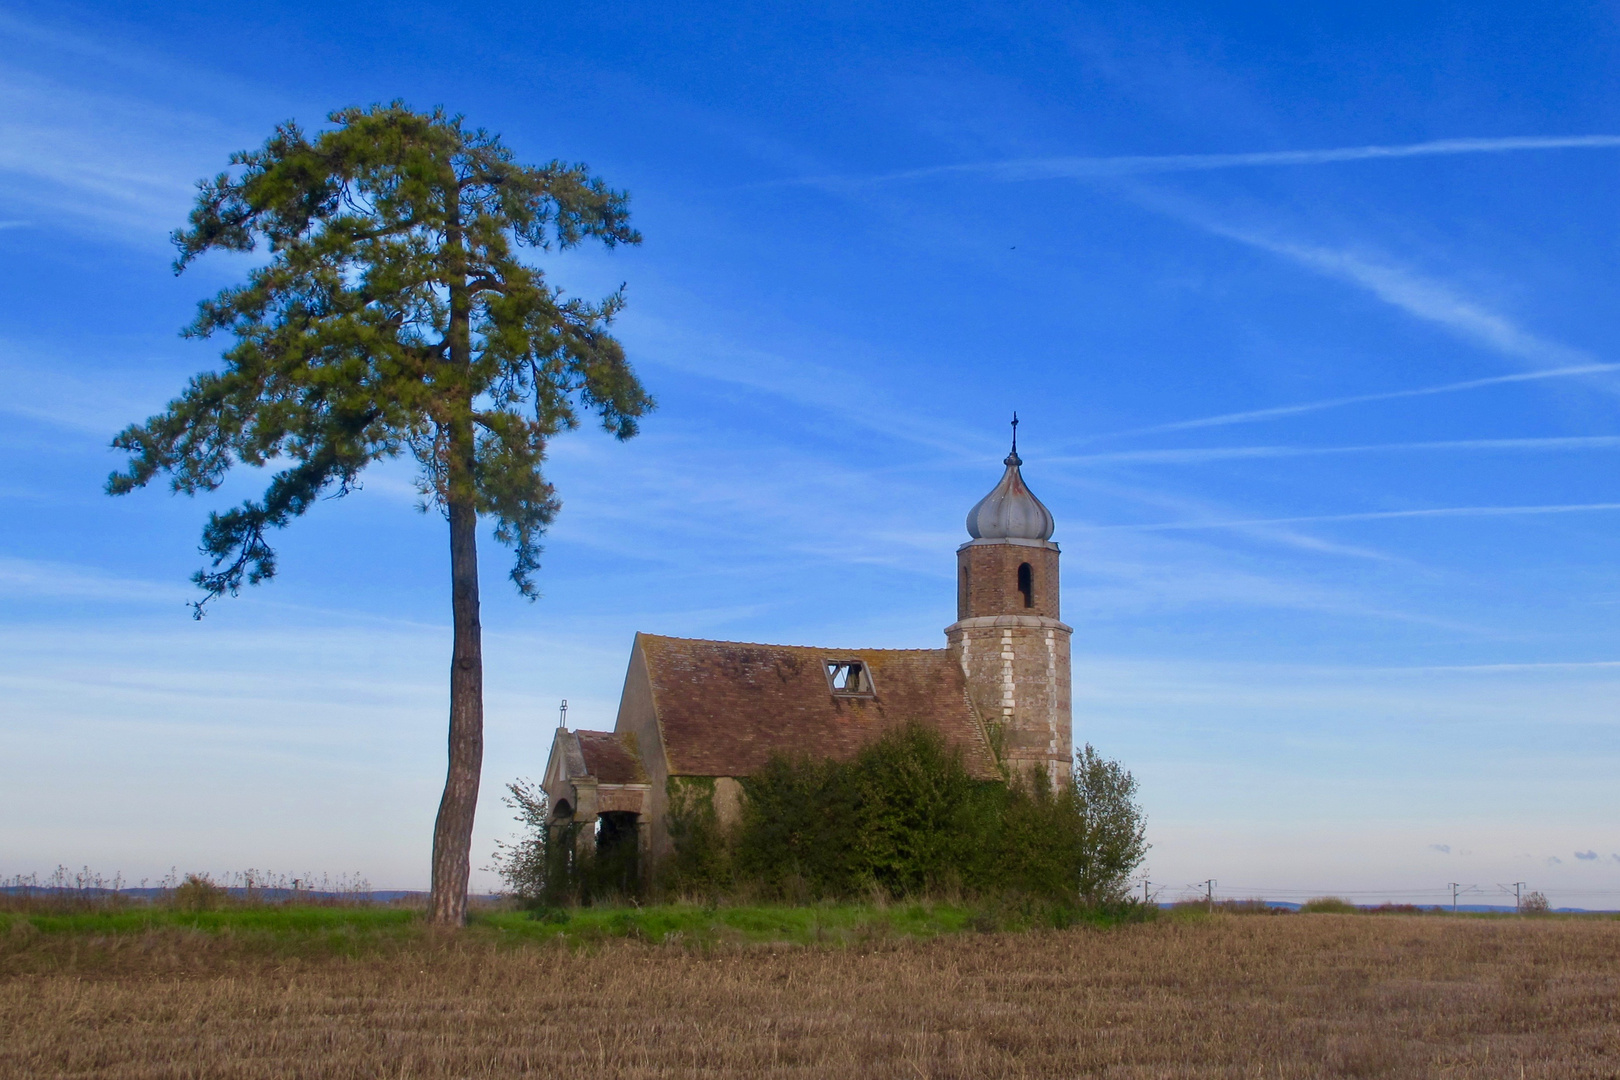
x=1015, y=652
x=987, y=579
x=1017, y=668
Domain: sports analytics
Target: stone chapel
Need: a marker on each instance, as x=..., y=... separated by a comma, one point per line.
x=998, y=690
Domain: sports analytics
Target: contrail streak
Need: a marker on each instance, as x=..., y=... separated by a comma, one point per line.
x=1196, y=455
x=1252, y=415
x=1058, y=168
x=1375, y=515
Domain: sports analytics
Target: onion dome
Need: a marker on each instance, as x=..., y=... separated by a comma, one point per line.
x=1011, y=511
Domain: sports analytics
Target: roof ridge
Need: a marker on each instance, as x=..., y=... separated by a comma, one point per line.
x=777, y=645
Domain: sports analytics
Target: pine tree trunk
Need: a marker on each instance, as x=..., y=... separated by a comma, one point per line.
x=452, y=833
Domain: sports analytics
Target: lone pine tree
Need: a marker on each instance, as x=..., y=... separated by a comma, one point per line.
x=394, y=316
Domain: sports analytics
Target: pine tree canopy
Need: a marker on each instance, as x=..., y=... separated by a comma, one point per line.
x=394, y=315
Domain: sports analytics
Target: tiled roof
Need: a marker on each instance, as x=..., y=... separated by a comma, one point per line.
x=608, y=759
x=725, y=708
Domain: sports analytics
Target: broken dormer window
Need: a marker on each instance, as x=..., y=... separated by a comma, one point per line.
x=849, y=678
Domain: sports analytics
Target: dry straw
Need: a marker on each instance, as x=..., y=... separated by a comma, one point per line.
x=1218, y=996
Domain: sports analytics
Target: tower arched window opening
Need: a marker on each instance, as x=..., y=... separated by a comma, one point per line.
x=1026, y=584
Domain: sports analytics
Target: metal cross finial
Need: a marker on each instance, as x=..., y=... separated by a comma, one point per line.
x=1015, y=433
x=562, y=714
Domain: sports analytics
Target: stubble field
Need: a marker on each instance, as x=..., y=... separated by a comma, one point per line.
x=1222, y=996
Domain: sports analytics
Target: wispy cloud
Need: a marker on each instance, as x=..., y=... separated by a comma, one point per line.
x=1586, y=856
x=1203, y=509
x=1090, y=167
x=45, y=580
x=1422, y=297
x=1126, y=578
x=87, y=395
x=1444, y=849
x=1279, y=411
x=1487, y=669
x=1375, y=515
x=81, y=156
x=1198, y=455
x=840, y=392
x=108, y=154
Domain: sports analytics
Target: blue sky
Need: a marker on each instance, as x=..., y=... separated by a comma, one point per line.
x=1309, y=314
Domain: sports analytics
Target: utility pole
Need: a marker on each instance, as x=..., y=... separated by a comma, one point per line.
x=1209, y=893
x=1518, y=900
x=1144, y=889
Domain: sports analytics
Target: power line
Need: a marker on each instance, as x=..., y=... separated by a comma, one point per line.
x=1456, y=887
x=1256, y=891
x=1451, y=894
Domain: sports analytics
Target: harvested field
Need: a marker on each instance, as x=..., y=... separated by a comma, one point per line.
x=1223, y=996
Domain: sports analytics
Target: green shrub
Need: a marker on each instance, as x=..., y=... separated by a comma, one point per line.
x=525, y=864
x=545, y=868
x=906, y=818
x=1329, y=905
x=700, y=865
x=796, y=839
x=1250, y=907
x=198, y=893
x=920, y=819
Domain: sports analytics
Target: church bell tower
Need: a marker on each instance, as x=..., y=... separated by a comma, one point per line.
x=1007, y=635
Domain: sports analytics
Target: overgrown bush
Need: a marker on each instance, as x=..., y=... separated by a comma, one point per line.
x=1535, y=904
x=198, y=893
x=1329, y=905
x=906, y=818
x=1250, y=907
x=701, y=865
x=1112, y=838
x=903, y=818
x=546, y=867
x=534, y=866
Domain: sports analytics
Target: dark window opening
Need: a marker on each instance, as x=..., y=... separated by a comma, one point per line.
x=618, y=852
x=615, y=827
x=1026, y=584
x=849, y=678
